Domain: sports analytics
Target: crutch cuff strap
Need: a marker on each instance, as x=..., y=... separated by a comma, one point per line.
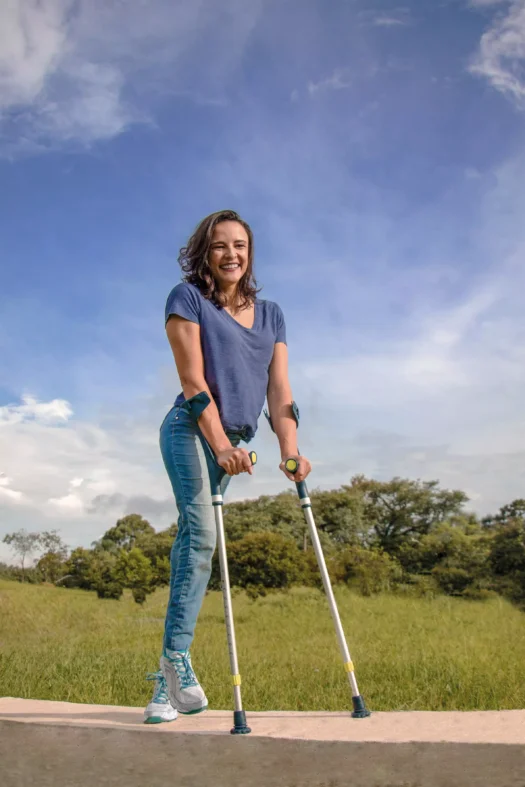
x=196, y=405
x=295, y=414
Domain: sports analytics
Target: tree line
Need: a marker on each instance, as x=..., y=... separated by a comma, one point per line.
x=400, y=536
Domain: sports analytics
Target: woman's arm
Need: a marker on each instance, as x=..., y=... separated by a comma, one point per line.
x=184, y=338
x=280, y=399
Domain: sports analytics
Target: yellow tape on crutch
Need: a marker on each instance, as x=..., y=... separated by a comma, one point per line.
x=349, y=667
x=236, y=680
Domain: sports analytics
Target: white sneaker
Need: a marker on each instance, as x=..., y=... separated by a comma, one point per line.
x=160, y=708
x=184, y=690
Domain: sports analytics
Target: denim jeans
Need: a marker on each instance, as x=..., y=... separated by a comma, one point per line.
x=192, y=470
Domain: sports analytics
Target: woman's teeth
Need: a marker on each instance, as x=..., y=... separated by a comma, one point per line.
x=230, y=267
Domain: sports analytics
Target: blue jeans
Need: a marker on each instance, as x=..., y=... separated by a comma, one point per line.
x=193, y=471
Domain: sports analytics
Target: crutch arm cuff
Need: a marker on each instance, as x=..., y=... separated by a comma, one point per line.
x=295, y=414
x=196, y=405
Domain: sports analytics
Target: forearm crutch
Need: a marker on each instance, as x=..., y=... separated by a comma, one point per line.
x=239, y=716
x=360, y=710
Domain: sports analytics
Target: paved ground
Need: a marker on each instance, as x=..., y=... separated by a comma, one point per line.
x=411, y=726
x=60, y=744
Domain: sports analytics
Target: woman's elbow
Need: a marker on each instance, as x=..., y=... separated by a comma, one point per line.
x=192, y=385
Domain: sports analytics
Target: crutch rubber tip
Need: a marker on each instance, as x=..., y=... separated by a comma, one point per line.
x=239, y=720
x=360, y=709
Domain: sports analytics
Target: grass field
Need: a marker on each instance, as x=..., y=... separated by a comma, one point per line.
x=410, y=654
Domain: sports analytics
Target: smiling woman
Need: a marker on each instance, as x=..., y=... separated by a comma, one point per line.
x=230, y=350
x=218, y=259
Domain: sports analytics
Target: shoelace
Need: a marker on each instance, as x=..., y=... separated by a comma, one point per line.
x=182, y=663
x=160, y=693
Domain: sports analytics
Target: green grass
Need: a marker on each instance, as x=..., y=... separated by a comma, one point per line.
x=410, y=654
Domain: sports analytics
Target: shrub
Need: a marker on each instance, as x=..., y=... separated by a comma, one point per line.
x=133, y=570
x=371, y=571
x=262, y=560
x=100, y=575
x=419, y=586
x=452, y=580
x=507, y=559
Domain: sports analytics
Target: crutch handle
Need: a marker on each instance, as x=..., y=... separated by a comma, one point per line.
x=220, y=473
x=292, y=465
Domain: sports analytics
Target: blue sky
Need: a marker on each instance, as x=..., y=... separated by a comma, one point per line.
x=377, y=150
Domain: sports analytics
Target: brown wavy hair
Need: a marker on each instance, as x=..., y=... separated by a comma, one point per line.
x=193, y=259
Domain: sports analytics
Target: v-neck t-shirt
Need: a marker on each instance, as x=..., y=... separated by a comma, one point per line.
x=236, y=359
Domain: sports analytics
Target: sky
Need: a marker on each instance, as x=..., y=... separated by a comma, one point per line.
x=378, y=152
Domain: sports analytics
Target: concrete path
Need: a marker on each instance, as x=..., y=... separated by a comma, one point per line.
x=406, y=727
x=65, y=745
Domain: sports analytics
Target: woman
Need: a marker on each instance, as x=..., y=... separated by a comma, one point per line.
x=230, y=351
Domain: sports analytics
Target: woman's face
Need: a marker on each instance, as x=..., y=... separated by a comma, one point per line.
x=228, y=254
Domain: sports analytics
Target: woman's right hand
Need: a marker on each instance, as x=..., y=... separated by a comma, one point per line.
x=235, y=461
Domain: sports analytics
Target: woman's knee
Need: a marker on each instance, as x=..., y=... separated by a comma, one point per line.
x=204, y=537
x=197, y=528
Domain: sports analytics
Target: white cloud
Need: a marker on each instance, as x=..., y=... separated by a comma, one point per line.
x=5, y=490
x=67, y=68
x=61, y=465
x=390, y=21
x=69, y=502
x=339, y=80
x=486, y=3
x=394, y=17
x=72, y=501
x=32, y=42
x=427, y=366
x=501, y=55
x=56, y=411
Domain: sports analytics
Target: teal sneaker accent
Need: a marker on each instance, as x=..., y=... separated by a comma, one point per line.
x=182, y=662
x=159, y=708
x=185, y=692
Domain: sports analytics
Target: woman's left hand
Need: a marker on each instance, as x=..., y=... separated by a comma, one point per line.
x=303, y=470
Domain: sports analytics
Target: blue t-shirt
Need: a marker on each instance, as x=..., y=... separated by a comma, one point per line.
x=236, y=359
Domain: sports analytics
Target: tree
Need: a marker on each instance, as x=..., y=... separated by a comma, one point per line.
x=52, y=563
x=100, y=575
x=125, y=533
x=373, y=571
x=50, y=541
x=134, y=570
x=340, y=514
x=24, y=545
x=506, y=515
x=77, y=569
x=458, y=545
x=51, y=567
x=402, y=510
x=507, y=558
x=263, y=560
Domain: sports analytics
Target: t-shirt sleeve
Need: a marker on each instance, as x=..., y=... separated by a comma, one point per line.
x=184, y=302
x=280, y=325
